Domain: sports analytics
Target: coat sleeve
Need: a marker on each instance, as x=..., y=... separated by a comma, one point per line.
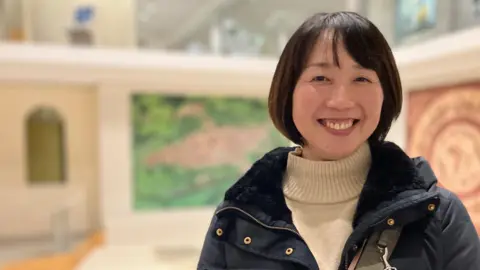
x=460, y=241
x=212, y=256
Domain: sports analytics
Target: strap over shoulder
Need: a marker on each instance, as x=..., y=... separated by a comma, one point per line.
x=376, y=251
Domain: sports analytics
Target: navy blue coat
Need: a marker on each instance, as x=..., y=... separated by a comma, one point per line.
x=252, y=228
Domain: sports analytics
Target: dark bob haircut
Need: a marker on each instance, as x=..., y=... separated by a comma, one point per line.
x=365, y=44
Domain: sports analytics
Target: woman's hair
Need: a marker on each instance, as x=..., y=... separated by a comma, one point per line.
x=365, y=44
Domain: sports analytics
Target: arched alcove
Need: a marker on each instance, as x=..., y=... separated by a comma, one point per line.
x=45, y=141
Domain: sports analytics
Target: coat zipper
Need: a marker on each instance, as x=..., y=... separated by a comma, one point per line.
x=359, y=253
x=258, y=221
x=261, y=223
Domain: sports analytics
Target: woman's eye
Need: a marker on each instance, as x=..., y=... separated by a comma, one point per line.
x=319, y=79
x=362, y=79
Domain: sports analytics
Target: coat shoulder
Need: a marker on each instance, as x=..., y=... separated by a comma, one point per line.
x=451, y=207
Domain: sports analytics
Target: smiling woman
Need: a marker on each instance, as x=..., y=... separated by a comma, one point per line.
x=341, y=96
x=344, y=77
x=345, y=198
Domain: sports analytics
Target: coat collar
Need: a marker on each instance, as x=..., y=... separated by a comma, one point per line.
x=392, y=172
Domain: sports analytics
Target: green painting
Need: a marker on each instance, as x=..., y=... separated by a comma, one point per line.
x=188, y=150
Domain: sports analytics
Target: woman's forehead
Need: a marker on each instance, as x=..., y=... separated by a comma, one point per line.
x=328, y=51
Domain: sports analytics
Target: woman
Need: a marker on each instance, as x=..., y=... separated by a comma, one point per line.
x=344, y=199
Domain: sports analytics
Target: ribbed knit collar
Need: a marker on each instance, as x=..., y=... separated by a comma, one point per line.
x=325, y=182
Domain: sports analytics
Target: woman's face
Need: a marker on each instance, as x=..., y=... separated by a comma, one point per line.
x=335, y=108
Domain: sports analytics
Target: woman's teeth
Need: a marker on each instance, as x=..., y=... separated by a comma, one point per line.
x=338, y=124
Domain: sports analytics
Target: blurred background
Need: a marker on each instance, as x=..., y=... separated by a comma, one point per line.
x=123, y=122
x=258, y=28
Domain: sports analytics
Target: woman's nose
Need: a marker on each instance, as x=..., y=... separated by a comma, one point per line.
x=339, y=99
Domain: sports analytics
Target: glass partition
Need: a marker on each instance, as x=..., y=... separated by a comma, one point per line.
x=236, y=27
x=225, y=27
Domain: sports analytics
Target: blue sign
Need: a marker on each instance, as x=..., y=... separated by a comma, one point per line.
x=84, y=14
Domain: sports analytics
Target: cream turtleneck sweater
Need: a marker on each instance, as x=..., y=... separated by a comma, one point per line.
x=323, y=196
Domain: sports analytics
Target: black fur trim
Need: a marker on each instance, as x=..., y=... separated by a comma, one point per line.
x=391, y=173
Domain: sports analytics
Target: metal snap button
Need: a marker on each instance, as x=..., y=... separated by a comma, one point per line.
x=289, y=251
x=391, y=221
x=247, y=240
x=431, y=207
x=219, y=232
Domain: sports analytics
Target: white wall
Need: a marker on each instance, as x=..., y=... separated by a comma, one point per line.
x=27, y=209
x=49, y=21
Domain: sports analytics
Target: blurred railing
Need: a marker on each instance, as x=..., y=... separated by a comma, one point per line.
x=38, y=222
x=31, y=210
x=61, y=223
x=63, y=261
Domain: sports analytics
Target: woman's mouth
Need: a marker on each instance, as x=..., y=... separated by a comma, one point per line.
x=339, y=124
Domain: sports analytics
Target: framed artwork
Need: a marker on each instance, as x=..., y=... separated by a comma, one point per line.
x=414, y=16
x=444, y=127
x=187, y=151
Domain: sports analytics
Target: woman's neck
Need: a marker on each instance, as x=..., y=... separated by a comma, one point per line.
x=312, y=181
